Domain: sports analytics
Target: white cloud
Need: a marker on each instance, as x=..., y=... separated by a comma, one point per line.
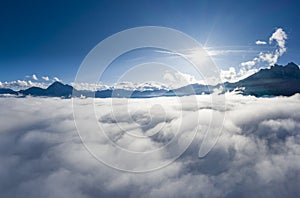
x=172, y=81
x=45, y=78
x=258, y=42
x=231, y=75
x=139, y=86
x=224, y=50
x=56, y=79
x=200, y=61
x=280, y=37
x=34, y=77
x=244, y=73
x=271, y=58
x=257, y=154
x=151, y=86
x=22, y=84
x=217, y=52
x=228, y=75
x=179, y=79
x=90, y=86
x=248, y=64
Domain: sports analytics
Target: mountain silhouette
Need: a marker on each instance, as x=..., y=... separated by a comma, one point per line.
x=57, y=89
x=7, y=91
x=275, y=81
x=278, y=80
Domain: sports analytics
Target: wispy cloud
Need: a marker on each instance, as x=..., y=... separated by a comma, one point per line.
x=260, y=42
x=218, y=51
x=34, y=77
x=57, y=79
x=45, y=78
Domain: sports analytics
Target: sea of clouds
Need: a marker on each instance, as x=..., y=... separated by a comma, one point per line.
x=42, y=154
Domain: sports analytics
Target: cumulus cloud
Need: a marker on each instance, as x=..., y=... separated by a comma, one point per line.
x=248, y=64
x=56, y=79
x=258, y=42
x=121, y=85
x=257, y=154
x=233, y=75
x=228, y=75
x=279, y=36
x=90, y=86
x=248, y=67
x=21, y=84
x=34, y=77
x=151, y=85
x=45, y=78
x=179, y=79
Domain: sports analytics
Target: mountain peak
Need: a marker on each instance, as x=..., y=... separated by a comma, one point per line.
x=59, y=89
x=56, y=84
x=292, y=65
x=291, y=69
x=278, y=80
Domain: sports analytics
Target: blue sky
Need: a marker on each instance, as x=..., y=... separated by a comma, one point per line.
x=51, y=38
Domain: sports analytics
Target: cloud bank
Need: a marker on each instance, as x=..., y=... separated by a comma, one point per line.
x=25, y=84
x=257, y=154
x=22, y=84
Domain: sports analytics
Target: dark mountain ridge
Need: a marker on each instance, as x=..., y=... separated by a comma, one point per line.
x=57, y=89
x=278, y=80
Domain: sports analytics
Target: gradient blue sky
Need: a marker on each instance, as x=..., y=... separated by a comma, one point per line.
x=51, y=38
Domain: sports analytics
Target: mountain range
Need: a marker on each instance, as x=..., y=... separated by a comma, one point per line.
x=275, y=81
